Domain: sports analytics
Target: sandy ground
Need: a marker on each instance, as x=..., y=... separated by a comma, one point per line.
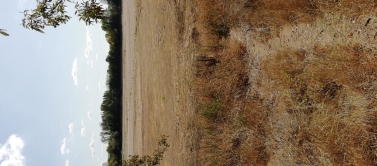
x=157, y=79
x=128, y=20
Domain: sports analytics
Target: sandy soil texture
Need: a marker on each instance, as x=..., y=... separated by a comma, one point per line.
x=157, y=78
x=128, y=20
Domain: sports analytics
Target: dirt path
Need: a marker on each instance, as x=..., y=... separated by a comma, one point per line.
x=157, y=98
x=128, y=20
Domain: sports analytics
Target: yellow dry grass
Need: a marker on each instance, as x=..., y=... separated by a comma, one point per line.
x=308, y=106
x=328, y=94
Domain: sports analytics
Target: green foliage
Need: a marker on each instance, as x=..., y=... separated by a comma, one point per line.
x=47, y=13
x=212, y=111
x=89, y=10
x=148, y=160
x=2, y=31
x=111, y=106
x=53, y=13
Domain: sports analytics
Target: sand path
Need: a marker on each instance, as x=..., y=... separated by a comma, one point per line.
x=128, y=29
x=157, y=79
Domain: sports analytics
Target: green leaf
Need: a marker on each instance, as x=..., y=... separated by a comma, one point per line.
x=3, y=33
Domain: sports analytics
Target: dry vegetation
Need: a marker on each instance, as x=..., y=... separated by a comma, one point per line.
x=308, y=104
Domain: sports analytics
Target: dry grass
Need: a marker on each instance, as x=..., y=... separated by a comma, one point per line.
x=268, y=16
x=329, y=94
x=309, y=106
x=221, y=84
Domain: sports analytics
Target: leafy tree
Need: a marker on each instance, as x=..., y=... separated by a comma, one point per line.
x=105, y=136
x=111, y=106
x=147, y=160
x=53, y=13
x=89, y=11
x=2, y=31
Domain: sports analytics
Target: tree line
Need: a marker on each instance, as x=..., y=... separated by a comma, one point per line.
x=111, y=106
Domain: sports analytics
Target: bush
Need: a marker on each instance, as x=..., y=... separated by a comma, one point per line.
x=147, y=160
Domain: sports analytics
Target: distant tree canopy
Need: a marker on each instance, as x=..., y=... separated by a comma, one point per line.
x=53, y=13
x=111, y=106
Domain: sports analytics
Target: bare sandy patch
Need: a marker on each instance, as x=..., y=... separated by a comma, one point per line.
x=157, y=76
x=128, y=73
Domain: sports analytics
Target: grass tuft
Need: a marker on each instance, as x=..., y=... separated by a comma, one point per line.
x=213, y=111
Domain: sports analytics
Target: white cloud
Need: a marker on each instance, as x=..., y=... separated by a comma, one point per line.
x=74, y=71
x=90, y=115
x=67, y=162
x=91, y=145
x=99, y=85
x=88, y=43
x=10, y=152
x=91, y=64
x=70, y=127
x=97, y=56
x=82, y=122
x=83, y=132
x=63, y=149
x=87, y=88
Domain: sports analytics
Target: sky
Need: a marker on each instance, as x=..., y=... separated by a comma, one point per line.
x=51, y=88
